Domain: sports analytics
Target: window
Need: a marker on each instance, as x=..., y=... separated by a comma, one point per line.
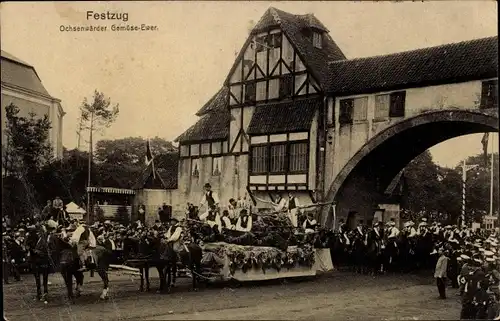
x=261, y=43
x=381, y=107
x=489, y=94
x=346, y=107
x=195, y=167
x=286, y=86
x=275, y=40
x=360, y=109
x=261, y=91
x=298, y=157
x=278, y=164
x=397, y=104
x=317, y=40
x=274, y=89
x=250, y=92
x=259, y=159
x=184, y=150
x=216, y=166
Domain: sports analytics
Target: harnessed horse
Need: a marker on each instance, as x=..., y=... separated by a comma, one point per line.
x=190, y=257
x=40, y=262
x=67, y=261
x=146, y=252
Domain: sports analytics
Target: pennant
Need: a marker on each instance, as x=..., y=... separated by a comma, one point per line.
x=149, y=154
x=149, y=158
x=484, y=141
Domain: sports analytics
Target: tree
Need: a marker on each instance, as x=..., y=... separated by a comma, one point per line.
x=130, y=150
x=422, y=180
x=27, y=150
x=28, y=146
x=97, y=115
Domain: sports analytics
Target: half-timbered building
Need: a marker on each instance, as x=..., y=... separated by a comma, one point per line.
x=288, y=112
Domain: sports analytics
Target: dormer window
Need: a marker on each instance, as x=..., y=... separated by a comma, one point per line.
x=317, y=40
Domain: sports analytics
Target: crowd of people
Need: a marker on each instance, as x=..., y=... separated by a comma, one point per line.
x=464, y=259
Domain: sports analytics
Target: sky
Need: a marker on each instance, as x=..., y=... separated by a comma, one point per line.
x=161, y=78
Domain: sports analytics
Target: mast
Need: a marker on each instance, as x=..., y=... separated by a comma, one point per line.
x=491, y=176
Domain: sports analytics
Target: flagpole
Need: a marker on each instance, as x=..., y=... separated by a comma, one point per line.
x=491, y=176
x=464, y=178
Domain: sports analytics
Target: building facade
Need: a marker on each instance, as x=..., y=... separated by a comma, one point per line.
x=22, y=87
x=294, y=111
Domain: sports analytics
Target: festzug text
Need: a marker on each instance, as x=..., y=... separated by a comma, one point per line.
x=107, y=16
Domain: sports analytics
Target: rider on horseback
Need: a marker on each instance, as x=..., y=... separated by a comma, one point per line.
x=85, y=242
x=173, y=235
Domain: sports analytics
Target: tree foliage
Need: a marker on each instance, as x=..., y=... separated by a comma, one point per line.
x=26, y=151
x=437, y=190
x=130, y=150
x=99, y=113
x=28, y=147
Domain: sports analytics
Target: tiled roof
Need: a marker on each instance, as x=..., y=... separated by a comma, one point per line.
x=17, y=73
x=297, y=29
x=214, y=121
x=218, y=102
x=166, y=170
x=211, y=126
x=468, y=60
x=283, y=117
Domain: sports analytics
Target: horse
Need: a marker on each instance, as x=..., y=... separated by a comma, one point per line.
x=374, y=253
x=190, y=257
x=67, y=262
x=40, y=262
x=147, y=250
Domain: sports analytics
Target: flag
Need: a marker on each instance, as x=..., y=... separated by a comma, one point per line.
x=484, y=141
x=149, y=158
x=149, y=155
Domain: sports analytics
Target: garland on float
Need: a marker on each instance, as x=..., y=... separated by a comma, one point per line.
x=245, y=258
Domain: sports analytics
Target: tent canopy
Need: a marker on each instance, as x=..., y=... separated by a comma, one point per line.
x=72, y=208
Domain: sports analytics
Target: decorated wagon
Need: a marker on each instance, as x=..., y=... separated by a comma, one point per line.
x=273, y=250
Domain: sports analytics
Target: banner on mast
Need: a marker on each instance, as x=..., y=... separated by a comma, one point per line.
x=484, y=141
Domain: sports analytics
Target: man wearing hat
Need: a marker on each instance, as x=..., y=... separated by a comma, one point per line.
x=472, y=281
x=310, y=224
x=209, y=198
x=440, y=273
x=244, y=223
x=85, y=241
x=212, y=218
x=173, y=235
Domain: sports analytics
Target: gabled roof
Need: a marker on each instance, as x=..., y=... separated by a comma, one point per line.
x=166, y=167
x=214, y=121
x=18, y=73
x=298, y=30
x=292, y=116
x=211, y=126
x=456, y=62
x=218, y=102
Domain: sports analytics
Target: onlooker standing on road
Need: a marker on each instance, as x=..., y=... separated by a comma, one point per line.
x=440, y=273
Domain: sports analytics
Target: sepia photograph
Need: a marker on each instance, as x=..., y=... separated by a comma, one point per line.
x=250, y=160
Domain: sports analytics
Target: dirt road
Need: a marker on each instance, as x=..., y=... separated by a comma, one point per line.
x=334, y=296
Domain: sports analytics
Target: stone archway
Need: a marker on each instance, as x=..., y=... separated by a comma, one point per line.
x=358, y=186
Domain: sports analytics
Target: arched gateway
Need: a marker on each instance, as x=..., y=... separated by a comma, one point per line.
x=360, y=184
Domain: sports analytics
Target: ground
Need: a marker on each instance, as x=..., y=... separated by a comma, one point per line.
x=333, y=296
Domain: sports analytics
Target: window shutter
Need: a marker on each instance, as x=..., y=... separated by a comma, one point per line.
x=250, y=92
x=489, y=94
x=397, y=104
x=346, y=107
x=286, y=84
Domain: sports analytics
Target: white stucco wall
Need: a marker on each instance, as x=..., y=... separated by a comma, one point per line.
x=40, y=106
x=348, y=139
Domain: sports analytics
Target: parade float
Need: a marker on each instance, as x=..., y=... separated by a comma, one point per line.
x=274, y=249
